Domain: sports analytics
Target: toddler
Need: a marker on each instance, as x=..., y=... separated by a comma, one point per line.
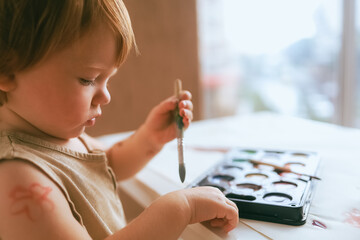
x=56, y=182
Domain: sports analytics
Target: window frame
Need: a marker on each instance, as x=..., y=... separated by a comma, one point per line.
x=345, y=112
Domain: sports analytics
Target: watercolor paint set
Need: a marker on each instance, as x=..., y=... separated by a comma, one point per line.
x=274, y=186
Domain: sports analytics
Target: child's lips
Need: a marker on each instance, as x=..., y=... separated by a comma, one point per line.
x=90, y=122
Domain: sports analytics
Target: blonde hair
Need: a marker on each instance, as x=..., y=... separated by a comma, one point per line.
x=32, y=30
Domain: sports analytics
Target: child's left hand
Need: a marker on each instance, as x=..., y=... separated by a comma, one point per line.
x=160, y=123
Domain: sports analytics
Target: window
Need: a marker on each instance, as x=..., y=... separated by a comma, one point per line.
x=357, y=64
x=277, y=55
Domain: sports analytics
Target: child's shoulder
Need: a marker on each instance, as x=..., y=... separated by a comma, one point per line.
x=30, y=202
x=14, y=144
x=17, y=171
x=16, y=161
x=6, y=146
x=21, y=182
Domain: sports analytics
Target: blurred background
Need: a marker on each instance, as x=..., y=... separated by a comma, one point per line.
x=292, y=57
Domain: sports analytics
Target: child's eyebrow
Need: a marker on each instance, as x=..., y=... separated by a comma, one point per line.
x=97, y=68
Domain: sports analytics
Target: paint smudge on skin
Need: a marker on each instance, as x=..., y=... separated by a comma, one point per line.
x=150, y=153
x=319, y=224
x=353, y=217
x=32, y=201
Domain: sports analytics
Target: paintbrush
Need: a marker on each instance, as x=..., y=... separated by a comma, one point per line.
x=179, y=132
x=281, y=169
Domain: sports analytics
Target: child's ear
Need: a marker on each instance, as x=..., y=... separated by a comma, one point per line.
x=7, y=82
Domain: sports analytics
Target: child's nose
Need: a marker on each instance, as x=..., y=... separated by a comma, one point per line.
x=102, y=97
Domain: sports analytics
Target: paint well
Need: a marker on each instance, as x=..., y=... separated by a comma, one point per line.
x=251, y=186
x=232, y=167
x=221, y=179
x=277, y=198
x=284, y=185
x=256, y=176
x=240, y=197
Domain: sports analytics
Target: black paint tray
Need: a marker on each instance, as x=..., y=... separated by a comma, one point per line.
x=262, y=191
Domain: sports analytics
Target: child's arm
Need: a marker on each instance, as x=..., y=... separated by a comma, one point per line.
x=167, y=217
x=129, y=156
x=33, y=207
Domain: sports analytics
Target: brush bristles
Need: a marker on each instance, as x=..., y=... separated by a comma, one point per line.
x=182, y=172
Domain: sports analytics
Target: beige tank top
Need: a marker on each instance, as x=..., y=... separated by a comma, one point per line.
x=86, y=180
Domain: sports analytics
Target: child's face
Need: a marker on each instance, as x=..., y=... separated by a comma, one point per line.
x=54, y=97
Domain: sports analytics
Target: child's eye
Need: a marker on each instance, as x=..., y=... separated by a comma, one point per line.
x=86, y=82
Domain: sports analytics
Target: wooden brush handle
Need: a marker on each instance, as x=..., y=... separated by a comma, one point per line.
x=178, y=88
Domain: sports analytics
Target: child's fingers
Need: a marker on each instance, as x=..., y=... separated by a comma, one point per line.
x=228, y=227
x=218, y=222
x=228, y=218
x=187, y=104
x=229, y=222
x=170, y=103
x=187, y=117
x=185, y=95
x=232, y=204
x=167, y=105
x=186, y=114
x=186, y=122
x=232, y=216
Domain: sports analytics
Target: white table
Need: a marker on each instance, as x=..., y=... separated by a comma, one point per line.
x=336, y=203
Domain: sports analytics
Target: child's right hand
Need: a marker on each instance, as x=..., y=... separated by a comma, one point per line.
x=210, y=204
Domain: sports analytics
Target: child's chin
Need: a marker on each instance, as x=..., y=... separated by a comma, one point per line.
x=74, y=134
